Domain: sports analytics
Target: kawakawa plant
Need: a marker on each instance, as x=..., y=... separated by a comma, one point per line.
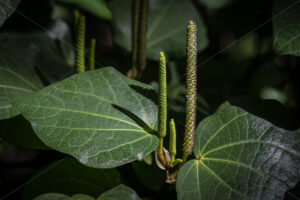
x=104, y=120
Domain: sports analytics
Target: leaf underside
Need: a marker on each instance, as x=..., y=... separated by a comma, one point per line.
x=82, y=116
x=240, y=156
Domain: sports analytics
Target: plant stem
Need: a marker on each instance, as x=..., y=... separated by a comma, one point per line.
x=135, y=36
x=142, y=59
x=191, y=89
x=80, y=44
x=160, y=152
x=92, y=54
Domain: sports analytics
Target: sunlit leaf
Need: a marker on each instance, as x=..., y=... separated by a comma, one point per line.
x=100, y=117
x=240, y=156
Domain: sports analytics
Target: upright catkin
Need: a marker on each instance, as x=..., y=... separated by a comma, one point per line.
x=92, y=54
x=80, y=44
x=191, y=88
x=162, y=119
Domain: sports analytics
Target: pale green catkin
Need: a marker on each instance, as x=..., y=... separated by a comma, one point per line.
x=80, y=44
x=191, y=88
x=172, y=143
x=92, y=54
x=162, y=105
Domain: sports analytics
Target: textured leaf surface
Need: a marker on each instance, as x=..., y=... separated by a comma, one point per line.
x=215, y=4
x=69, y=177
x=286, y=27
x=167, y=22
x=96, y=117
x=7, y=7
x=120, y=192
x=18, y=79
x=56, y=196
x=95, y=7
x=240, y=156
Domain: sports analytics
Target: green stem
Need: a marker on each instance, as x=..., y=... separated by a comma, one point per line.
x=80, y=44
x=135, y=36
x=143, y=36
x=92, y=54
x=160, y=152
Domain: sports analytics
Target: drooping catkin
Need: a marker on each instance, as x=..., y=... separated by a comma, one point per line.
x=191, y=88
x=162, y=105
x=80, y=44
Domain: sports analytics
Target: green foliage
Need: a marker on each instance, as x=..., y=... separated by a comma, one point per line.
x=245, y=148
x=166, y=28
x=286, y=27
x=240, y=156
x=120, y=192
x=95, y=7
x=97, y=117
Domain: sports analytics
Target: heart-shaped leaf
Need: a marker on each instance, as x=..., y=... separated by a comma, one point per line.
x=167, y=21
x=240, y=156
x=97, y=117
x=18, y=79
x=69, y=177
x=7, y=7
x=286, y=27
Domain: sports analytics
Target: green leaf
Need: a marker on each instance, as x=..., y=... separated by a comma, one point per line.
x=167, y=22
x=286, y=27
x=120, y=192
x=18, y=131
x=18, y=79
x=98, y=117
x=215, y=4
x=240, y=156
x=69, y=177
x=7, y=7
x=56, y=196
x=95, y=7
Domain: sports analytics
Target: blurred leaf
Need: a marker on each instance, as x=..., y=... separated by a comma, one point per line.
x=69, y=177
x=56, y=196
x=98, y=116
x=215, y=4
x=95, y=7
x=286, y=27
x=7, y=7
x=18, y=79
x=18, y=131
x=240, y=156
x=167, y=22
x=120, y=192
